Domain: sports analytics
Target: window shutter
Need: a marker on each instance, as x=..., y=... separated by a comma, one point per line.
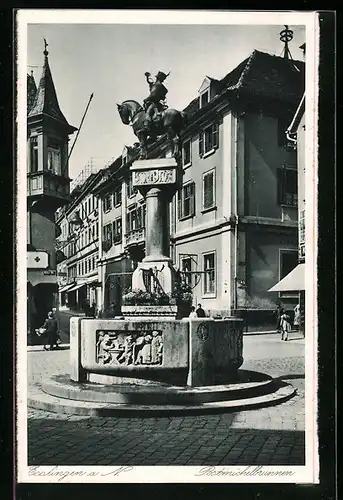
x=179, y=204
x=192, y=200
x=215, y=136
x=208, y=190
x=201, y=144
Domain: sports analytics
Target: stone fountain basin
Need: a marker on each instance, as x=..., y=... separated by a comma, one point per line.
x=193, y=352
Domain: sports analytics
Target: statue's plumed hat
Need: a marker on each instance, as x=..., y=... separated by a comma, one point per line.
x=161, y=76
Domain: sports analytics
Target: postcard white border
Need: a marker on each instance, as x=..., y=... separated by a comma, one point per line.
x=174, y=474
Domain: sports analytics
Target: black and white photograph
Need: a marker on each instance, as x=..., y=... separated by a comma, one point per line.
x=166, y=246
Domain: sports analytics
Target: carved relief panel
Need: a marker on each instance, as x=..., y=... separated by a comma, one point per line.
x=129, y=348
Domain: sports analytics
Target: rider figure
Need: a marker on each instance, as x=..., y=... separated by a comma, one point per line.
x=152, y=104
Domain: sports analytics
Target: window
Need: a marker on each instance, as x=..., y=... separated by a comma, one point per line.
x=288, y=261
x=301, y=234
x=209, y=274
x=54, y=157
x=108, y=233
x=89, y=234
x=186, y=200
x=117, y=231
x=208, y=186
x=208, y=139
x=187, y=265
x=89, y=205
x=131, y=191
x=107, y=203
x=117, y=197
x=136, y=217
x=33, y=154
x=186, y=153
x=204, y=98
x=287, y=188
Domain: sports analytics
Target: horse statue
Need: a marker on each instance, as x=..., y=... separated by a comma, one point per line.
x=170, y=122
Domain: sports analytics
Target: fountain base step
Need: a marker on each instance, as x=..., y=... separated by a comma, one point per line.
x=251, y=390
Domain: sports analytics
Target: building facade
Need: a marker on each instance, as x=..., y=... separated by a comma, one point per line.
x=234, y=220
x=47, y=189
x=78, y=245
x=294, y=281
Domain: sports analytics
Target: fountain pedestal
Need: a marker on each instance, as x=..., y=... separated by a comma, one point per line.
x=157, y=181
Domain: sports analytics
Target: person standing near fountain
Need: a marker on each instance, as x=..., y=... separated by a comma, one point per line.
x=200, y=312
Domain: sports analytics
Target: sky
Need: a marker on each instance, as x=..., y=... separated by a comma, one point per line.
x=110, y=60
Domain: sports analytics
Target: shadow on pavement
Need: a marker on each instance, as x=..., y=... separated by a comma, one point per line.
x=198, y=440
x=293, y=376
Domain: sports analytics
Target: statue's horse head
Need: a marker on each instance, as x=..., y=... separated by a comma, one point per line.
x=127, y=110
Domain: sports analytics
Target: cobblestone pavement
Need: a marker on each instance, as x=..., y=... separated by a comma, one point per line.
x=267, y=436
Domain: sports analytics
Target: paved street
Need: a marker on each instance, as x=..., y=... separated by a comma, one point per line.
x=267, y=436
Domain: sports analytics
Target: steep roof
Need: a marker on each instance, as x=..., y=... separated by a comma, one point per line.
x=31, y=91
x=262, y=75
x=46, y=101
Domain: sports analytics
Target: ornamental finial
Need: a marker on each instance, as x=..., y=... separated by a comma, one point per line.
x=45, y=48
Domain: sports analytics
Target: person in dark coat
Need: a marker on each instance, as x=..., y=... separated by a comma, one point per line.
x=200, y=312
x=51, y=331
x=278, y=313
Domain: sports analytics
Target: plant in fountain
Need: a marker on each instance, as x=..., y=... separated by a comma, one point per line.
x=145, y=298
x=181, y=295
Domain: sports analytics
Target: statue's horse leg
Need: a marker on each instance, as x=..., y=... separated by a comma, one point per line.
x=175, y=143
x=143, y=150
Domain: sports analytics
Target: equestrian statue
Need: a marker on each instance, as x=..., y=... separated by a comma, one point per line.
x=155, y=118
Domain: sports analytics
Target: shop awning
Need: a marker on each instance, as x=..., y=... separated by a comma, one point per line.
x=293, y=282
x=65, y=288
x=88, y=281
x=76, y=287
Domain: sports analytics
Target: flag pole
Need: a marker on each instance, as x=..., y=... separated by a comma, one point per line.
x=78, y=132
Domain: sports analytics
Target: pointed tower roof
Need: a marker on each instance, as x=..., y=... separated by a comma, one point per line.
x=31, y=91
x=46, y=102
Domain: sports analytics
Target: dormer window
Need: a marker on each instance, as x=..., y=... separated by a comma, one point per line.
x=205, y=92
x=204, y=98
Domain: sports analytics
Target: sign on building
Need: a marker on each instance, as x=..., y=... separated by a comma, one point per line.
x=301, y=235
x=37, y=260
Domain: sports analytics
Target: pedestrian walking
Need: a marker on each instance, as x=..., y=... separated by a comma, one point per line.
x=200, y=312
x=193, y=313
x=285, y=325
x=51, y=332
x=278, y=313
x=296, y=322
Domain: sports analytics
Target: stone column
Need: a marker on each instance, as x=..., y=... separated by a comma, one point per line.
x=157, y=237
x=157, y=181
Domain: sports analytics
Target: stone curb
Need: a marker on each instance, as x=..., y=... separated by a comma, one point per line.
x=42, y=401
